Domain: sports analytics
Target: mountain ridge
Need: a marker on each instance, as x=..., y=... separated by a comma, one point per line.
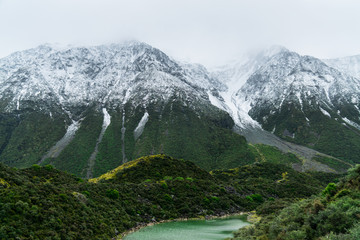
x=274, y=90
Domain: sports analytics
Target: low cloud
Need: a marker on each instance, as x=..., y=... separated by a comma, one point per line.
x=209, y=32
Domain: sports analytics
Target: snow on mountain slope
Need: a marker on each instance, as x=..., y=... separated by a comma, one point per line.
x=235, y=76
x=111, y=74
x=134, y=71
x=263, y=82
x=289, y=77
x=349, y=65
x=142, y=90
x=300, y=99
x=275, y=89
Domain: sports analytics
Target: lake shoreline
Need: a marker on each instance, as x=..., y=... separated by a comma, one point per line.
x=208, y=217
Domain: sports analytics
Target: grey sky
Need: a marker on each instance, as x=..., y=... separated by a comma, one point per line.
x=206, y=31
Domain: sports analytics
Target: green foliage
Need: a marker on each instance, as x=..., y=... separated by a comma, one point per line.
x=74, y=158
x=49, y=167
x=263, y=178
x=334, y=214
x=330, y=189
x=112, y=193
x=353, y=175
x=41, y=203
x=249, y=198
x=266, y=153
x=336, y=164
x=205, y=138
x=167, y=197
x=215, y=199
x=110, y=148
x=206, y=200
x=36, y=166
x=86, y=193
x=164, y=185
x=256, y=197
x=26, y=136
x=157, y=167
x=342, y=193
x=328, y=135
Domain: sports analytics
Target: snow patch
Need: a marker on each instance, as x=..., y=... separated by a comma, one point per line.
x=127, y=96
x=91, y=161
x=140, y=127
x=123, y=130
x=216, y=102
x=274, y=129
x=325, y=112
x=357, y=108
x=107, y=118
x=238, y=110
x=351, y=123
x=71, y=130
x=354, y=100
x=298, y=95
x=63, y=142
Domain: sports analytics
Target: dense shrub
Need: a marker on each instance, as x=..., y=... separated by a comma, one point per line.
x=330, y=189
x=112, y=193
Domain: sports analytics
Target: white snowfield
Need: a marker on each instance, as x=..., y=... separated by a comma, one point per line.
x=112, y=74
x=275, y=76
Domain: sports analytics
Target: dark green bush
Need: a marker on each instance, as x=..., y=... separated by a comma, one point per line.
x=112, y=193
x=167, y=197
x=330, y=190
x=49, y=167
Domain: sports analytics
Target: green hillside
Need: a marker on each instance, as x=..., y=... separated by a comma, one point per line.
x=203, y=137
x=200, y=133
x=332, y=214
x=330, y=135
x=45, y=203
x=25, y=138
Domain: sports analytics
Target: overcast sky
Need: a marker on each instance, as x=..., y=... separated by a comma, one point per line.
x=206, y=31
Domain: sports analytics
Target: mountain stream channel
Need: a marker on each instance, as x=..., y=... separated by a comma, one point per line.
x=213, y=229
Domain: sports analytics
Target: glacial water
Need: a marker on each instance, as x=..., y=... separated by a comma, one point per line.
x=215, y=229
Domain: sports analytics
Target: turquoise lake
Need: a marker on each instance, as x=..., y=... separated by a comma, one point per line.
x=215, y=229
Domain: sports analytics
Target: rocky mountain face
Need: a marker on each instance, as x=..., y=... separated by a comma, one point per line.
x=111, y=75
x=88, y=109
x=300, y=99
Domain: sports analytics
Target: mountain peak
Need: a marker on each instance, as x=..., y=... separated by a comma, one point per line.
x=106, y=73
x=270, y=51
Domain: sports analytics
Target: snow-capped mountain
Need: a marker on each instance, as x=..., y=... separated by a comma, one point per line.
x=235, y=76
x=289, y=77
x=349, y=65
x=290, y=95
x=276, y=76
x=89, y=109
x=111, y=74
